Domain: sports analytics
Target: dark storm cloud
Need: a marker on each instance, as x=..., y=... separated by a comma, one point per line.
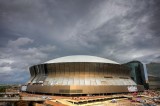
x=154, y=18
x=34, y=31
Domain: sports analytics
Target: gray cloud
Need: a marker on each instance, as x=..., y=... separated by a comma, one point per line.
x=19, y=42
x=33, y=32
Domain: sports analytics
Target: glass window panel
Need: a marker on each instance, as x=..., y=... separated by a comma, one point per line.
x=124, y=82
x=81, y=66
x=67, y=67
x=55, y=81
x=70, y=81
x=116, y=81
x=93, y=82
x=106, y=69
x=54, y=66
x=48, y=66
x=92, y=78
x=98, y=81
x=65, y=81
x=110, y=81
x=87, y=81
x=103, y=82
x=60, y=81
x=77, y=66
x=76, y=81
x=60, y=66
x=87, y=68
x=72, y=67
x=57, y=69
x=82, y=82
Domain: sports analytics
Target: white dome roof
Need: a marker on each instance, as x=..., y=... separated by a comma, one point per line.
x=81, y=58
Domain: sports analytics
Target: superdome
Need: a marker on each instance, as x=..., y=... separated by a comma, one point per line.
x=81, y=58
x=80, y=74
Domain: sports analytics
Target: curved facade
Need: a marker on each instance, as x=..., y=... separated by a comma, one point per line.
x=80, y=75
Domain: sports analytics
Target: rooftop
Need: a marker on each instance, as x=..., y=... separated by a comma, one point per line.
x=81, y=58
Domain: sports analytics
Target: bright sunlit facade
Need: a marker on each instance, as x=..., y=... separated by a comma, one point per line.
x=81, y=74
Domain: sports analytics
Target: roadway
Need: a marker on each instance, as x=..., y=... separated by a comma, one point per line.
x=15, y=99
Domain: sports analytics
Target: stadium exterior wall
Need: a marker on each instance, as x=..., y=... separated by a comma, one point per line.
x=80, y=78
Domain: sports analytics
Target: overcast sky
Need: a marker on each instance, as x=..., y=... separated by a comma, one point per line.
x=35, y=31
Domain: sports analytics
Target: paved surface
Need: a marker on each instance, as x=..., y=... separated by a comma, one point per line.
x=105, y=100
x=14, y=99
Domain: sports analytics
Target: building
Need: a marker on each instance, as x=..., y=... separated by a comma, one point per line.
x=145, y=74
x=81, y=75
x=153, y=75
x=138, y=73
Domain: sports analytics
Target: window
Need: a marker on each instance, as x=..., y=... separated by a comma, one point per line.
x=124, y=77
x=103, y=82
x=70, y=91
x=108, y=76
